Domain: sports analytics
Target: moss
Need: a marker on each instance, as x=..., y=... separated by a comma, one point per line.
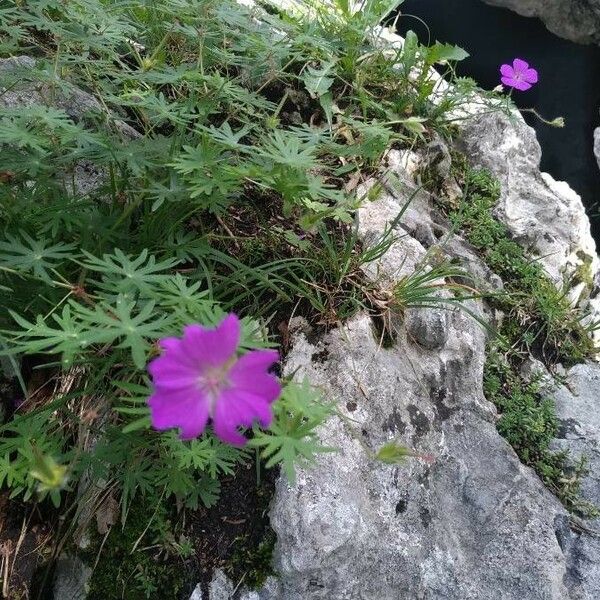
x=252, y=562
x=146, y=573
x=540, y=321
x=533, y=303
x=528, y=422
x=583, y=272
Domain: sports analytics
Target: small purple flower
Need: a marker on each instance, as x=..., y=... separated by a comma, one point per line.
x=200, y=377
x=519, y=75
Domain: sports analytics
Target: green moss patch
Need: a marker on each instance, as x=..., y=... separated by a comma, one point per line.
x=140, y=560
x=539, y=321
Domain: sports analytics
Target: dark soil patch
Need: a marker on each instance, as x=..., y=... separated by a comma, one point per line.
x=235, y=535
x=24, y=536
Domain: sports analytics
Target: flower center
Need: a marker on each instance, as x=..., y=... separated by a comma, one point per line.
x=213, y=381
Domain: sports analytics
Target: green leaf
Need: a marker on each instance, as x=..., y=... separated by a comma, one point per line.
x=415, y=125
x=68, y=338
x=33, y=256
x=319, y=81
x=123, y=274
x=121, y=323
x=137, y=425
x=286, y=148
x=292, y=440
x=326, y=102
x=442, y=53
x=227, y=137
x=393, y=454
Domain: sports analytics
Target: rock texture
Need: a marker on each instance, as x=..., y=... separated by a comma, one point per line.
x=577, y=410
x=70, y=579
x=472, y=524
x=467, y=520
x=546, y=216
x=576, y=20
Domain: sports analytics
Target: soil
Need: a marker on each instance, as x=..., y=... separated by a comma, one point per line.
x=235, y=535
x=24, y=536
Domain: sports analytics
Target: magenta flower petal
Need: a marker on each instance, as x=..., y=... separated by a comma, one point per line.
x=199, y=377
x=239, y=409
x=521, y=85
x=250, y=373
x=188, y=411
x=212, y=346
x=520, y=65
x=172, y=374
x=519, y=75
x=530, y=75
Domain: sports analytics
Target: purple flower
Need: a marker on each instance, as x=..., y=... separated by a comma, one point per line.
x=199, y=377
x=519, y=76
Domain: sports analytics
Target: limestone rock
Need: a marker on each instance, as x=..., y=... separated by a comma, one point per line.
x=428, y=230
x=577, y=408
x=545, y=216
x=474, y=524
x=221, y=588
x=70, y=580
x=579, y=433
x=428, y=326
x=576, y=20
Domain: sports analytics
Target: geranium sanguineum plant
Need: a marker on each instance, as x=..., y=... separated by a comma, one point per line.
x=519, y=75
x=200, y=377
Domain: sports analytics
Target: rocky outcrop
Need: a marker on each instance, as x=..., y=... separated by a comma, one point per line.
x=70, y=579
x=466, y=520
x=473, y=523
x=576, y=402
x=545, y=216
x=576, y=20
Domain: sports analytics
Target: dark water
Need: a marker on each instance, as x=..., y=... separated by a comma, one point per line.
x=569, y=83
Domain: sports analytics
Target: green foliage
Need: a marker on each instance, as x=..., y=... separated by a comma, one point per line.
x=393, y=454
x=253, y=563
x=541, y=318
x=174, y=131
x=432, y=285
x=528, y=422
x=292, y=438
x=155, y=571
x=177, y=161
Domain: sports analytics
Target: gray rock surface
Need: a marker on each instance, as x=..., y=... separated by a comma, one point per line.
x=577, y=408
x=429, y=327
x=597, y=144
x=26, y=86
x=71, y=578
x=221, y=588
x=473, y=523
x=576, y=20
x=545, y=216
